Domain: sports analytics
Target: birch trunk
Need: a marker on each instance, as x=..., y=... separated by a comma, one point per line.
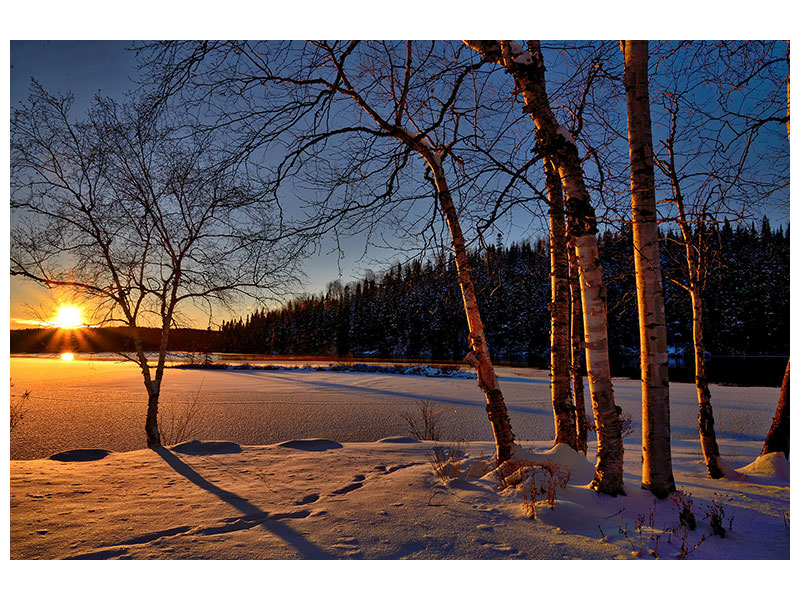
x=563, y=409
x=656, y=452
x=695, y=258
x=153, y=387
x=705, y=413
x=608, y=470
x=556, y=143
x=576, y=365
x=151, y=422
x=479, y=356
x=777, y=439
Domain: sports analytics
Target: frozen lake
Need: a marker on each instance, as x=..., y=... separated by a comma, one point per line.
x=102, y=404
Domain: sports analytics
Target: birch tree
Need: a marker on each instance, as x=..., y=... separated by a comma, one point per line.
x=563, y=409
x=696, y=261
x=555, y=142
x=576, y=350
x=777, y=439
x=716, y=99
x=656, y=451
x=354, y=118
x=139, y=221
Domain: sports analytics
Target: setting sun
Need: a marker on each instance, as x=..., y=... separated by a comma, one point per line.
x=67, y=356
x=69, y=317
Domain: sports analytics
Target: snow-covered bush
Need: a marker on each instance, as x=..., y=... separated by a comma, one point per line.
x=446, y=460
x=539, y=482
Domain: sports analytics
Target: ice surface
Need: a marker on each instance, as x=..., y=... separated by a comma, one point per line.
x=102, y=404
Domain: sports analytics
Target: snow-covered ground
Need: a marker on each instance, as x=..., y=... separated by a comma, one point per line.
x=316, y=465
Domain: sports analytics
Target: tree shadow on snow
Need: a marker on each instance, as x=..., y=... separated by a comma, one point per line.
x=408, y=395
x=306, y=548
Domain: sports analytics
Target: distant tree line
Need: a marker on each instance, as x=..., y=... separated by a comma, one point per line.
x=108, y=339
x=414, y=310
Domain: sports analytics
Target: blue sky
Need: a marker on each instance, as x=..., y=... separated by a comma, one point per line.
x=87, y=68
x=108, y=68
x=83, y=67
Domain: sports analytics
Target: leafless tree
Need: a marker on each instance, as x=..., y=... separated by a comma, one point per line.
x=526, y=66
x=716, y=100
x=777, y=439
x=656, y=451
x=138, y=217
x=369, y=131
x=564, y=411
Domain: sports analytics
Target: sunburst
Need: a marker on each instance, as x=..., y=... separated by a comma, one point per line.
x=68, y=317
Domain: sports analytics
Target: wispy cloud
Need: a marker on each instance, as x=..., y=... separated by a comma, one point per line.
x=17, y=322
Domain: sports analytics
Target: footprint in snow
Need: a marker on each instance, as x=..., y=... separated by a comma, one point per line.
x=346, y=489
x=308, y=499
x=404, y=466
x=349, y=546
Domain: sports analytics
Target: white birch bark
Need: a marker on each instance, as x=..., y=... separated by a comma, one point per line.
x=705, y=413
x=555, y=142
x=563, y=409
x=479, y=356
x=656, y=451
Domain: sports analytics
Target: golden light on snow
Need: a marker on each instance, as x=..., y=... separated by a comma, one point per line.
x=67, y=356
x=68, y=317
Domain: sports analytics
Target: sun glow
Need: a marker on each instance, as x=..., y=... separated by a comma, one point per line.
x=67, y=356
x=68, y=317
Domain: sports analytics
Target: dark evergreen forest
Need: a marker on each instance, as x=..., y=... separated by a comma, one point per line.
x=414, y=310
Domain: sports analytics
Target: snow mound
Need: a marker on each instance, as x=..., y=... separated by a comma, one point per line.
x=208, y=447
x=399, y=439
x=561, y=456
x=773, y=466
x=81, y=455
x=470, y=467
x=311, y=445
